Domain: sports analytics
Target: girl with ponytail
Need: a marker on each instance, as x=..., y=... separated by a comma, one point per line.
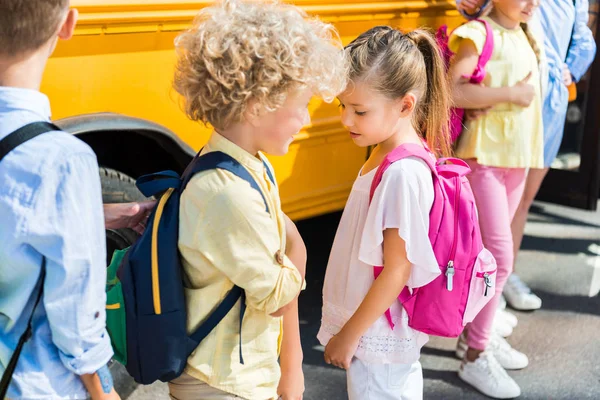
x=397, y=94
x=500, y=147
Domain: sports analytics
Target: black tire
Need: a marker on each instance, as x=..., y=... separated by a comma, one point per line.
x=118, y=188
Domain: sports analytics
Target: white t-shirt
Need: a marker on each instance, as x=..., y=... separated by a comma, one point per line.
x=402, y=200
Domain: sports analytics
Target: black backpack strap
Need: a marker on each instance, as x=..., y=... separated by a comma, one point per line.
x=12, y=364
x=8, y=144
x=22, y=135
x=235, y=294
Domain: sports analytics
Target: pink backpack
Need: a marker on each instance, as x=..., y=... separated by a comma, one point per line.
x=457, y=114
x=468, y=271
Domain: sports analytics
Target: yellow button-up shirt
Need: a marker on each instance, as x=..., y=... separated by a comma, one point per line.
x=226, y=237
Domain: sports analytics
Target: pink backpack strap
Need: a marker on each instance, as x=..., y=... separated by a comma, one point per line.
x=400, y=152
x=486, y=54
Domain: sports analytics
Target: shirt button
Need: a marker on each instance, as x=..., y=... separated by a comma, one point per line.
x=279, y=257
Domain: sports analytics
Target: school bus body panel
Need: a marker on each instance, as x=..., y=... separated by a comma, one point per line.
x=121, y=60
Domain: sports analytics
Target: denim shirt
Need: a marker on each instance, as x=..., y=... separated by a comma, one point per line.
x=50, y=206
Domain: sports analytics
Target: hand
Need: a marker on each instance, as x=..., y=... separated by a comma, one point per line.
x=128, y=215
x=291, y=384
x=473, y=114
x=470, y=6
x=340, y=350
x=566, y=75
x=522, y=93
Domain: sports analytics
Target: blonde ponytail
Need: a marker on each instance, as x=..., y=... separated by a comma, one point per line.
x=532, y=41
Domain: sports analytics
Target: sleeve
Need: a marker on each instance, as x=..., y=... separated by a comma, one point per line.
x=69, y=232
x=402, y=201
x=240, y=239
x=474, y=31
x=582, y=49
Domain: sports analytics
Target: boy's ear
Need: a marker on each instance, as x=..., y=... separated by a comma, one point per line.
x=68, y=27
x=252, y=113
x=407, y=104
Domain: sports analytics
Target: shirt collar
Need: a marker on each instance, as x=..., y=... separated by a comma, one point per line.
x=19, y=99
x=218, y=142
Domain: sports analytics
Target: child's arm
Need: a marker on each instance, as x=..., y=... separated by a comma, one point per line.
x=233, y=229
x=296, y=252
x=381, y=296
x=291, y=384
x=473, y=96
x=583, y=46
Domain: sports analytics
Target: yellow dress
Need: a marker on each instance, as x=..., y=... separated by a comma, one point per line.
x=509, y=136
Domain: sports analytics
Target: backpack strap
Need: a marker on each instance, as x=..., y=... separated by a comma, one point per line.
x=24, y=134
x=268, y=169
x=400, y=152
x=156, y=183
x=8, y=144
x=486, y=53
x=235, y=294
x=12, y=364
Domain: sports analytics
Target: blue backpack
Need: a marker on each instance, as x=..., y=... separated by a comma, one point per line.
x=146, y=308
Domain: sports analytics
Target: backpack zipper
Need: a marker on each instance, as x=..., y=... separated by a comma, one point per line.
x=450, y=267
x=488, y=283
x=486, y=279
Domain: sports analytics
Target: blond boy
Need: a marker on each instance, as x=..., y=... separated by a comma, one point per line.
x=52, y=221
x=249, y=69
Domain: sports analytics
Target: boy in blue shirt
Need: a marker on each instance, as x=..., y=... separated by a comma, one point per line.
x=52, y=219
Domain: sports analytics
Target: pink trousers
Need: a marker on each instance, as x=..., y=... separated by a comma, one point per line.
x=497, y=192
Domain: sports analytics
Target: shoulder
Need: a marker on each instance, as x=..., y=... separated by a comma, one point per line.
x=52, y=153
x=410, y=169
x=473, y=30
x=409, y=177
x=217, y=190
x=59, y=147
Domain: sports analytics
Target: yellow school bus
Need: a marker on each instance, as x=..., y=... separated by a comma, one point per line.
x=111, y=86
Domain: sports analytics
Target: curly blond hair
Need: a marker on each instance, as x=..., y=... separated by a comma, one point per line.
x=238, y=51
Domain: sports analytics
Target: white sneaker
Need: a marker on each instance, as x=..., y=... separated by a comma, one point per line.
x=487, y=375
x=500, y=326
x=508, y=318
x=502, y=303
x=508, y=357
x=519, y=295
x=502, y=351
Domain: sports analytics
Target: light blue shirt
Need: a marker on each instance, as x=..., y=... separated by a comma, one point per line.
x=50, y=205
x=576, y=50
